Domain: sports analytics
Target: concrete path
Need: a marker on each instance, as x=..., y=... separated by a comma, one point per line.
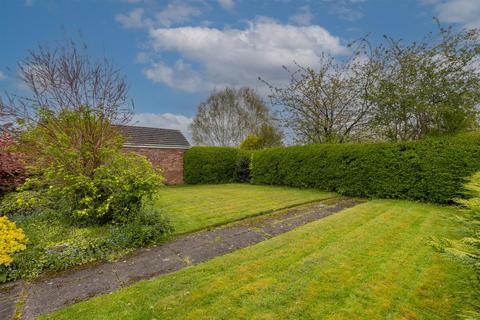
x=50, y=293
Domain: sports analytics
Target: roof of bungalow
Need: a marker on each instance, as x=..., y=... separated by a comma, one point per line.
x=148, y=137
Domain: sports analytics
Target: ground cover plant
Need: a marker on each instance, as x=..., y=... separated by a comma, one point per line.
x=372, y=261
x=54, y=243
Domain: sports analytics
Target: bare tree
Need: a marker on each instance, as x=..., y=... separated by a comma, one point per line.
x=65, y=77
x=227, y=117
x=328, y=104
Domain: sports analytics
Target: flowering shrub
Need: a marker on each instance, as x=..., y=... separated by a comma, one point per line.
x=12, y=239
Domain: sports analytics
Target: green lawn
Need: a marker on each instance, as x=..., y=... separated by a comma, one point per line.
x=189, y=208
x=194, y=207
x=368, y=262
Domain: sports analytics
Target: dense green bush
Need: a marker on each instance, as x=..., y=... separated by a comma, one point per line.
x=242, y=169
x=85, y=243
x=78, y=168
x=210, y=164
x=22, y=203
x=115, y=192
x=431, y=170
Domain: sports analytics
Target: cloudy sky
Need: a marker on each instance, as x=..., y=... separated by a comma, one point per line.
x=175, y=52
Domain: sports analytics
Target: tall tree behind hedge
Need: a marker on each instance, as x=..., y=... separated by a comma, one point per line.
x=327, y=104
x=228, y=116
x=427, y=87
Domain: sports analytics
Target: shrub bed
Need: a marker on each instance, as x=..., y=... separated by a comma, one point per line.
x=432, y=170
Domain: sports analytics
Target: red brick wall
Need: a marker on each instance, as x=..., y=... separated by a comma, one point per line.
x=169, y=160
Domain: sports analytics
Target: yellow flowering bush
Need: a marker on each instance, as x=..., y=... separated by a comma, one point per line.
x=12, y=239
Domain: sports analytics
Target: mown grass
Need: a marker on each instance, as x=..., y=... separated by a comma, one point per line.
x=194, y=207
x=372, y=261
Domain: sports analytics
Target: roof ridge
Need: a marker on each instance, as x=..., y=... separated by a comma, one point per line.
x=145, y=127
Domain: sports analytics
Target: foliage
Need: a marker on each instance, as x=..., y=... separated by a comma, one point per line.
x=427, y=87
x=396, y=90
x=242, y=169
x=77, y=140
x=328, y=104
x=12, y=169
x=77, y=157
x=467, y=249
x=210, y=164
x=24, y=202
x=55, y=244
x=12, y=240
x=251, y=142
x=115, y=191
x=431, y=170
x=229, y=116
x=269, y=135
x=265, y=137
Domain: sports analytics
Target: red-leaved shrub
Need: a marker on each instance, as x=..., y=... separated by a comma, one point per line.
x=12, y=167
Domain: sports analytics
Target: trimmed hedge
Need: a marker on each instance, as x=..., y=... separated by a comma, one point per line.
x=432, y=170
x=210, y=164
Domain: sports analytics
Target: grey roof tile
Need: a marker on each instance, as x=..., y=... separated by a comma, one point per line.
x=152, y=137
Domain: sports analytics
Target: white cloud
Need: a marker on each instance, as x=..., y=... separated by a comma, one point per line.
x=2, y=76
x=464, y=12
x=226, y=4
x=134, y=19
x=212, y=58
x=303, y=17
x=176, y=13
x=179, y=76
x=346, y=9
x=173, y=13
x=163, y=120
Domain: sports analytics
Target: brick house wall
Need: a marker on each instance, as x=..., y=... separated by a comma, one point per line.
x=169, y=160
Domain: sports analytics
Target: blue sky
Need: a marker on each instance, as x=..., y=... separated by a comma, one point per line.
x=175, y=53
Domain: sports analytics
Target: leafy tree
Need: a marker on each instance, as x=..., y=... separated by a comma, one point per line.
x=269, y=136
x=427, y=87
x=227, y=117
x=328, y=104
x=265, y=137
x=251, y=142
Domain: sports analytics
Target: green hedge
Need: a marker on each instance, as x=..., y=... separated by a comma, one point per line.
x=432, y=170
x=210, y=164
